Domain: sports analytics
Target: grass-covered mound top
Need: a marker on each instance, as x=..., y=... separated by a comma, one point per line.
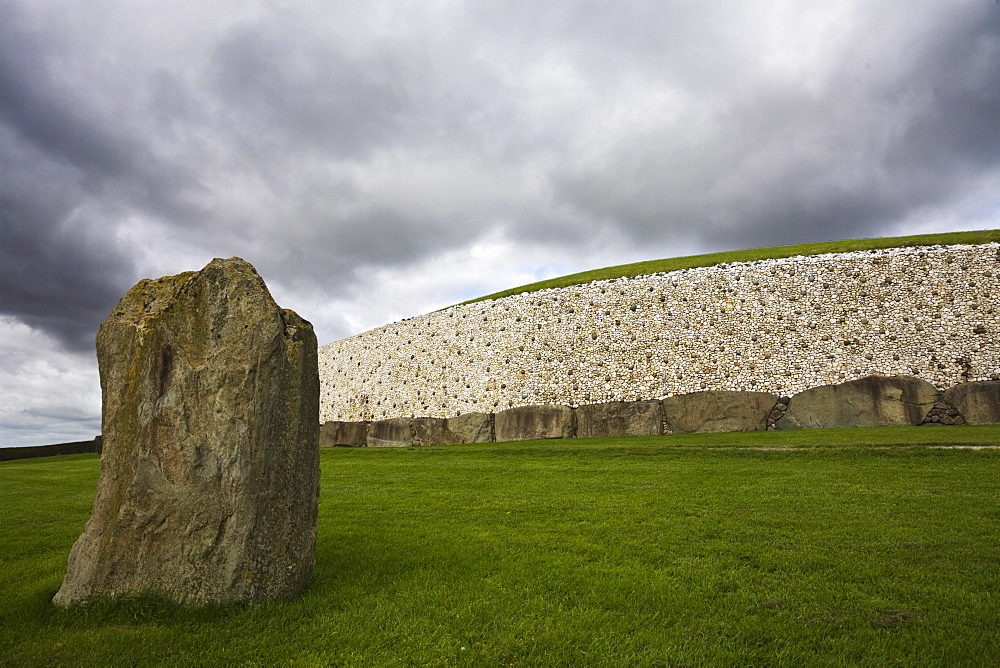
x=749, y=255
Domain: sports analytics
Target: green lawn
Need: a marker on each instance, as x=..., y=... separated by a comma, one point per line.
x=642, y=551
x=711, y=259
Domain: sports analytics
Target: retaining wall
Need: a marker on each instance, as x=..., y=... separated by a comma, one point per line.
x=874, y=401
x=778, y=326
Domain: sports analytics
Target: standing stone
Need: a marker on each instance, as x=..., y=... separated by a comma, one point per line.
x=619, y=418
x=873, y=401
x=209, y=481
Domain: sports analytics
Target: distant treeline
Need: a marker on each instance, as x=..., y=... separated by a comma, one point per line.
x=74, y=448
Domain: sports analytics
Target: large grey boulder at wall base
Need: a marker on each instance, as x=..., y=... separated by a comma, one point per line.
x=977, y=402
x=405, y=431
x=336, y=433
x=619, y=418
x=526, y=423
x=717, y=411
x=471, y=428
x=431, y=431
x=391, y=433
x=873, y=401
x=209, y=483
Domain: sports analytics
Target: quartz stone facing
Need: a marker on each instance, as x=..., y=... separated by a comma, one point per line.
x=776, y=326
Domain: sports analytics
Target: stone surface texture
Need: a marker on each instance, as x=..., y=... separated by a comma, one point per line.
x=336, y=433
x=619, y=418
x=875, y=401
x=778, y=326
x=431, y=431
x=471, y=428
x=209, y=482
x=526, y=423
x=944, y=413
x=977, y=402
x=718, y=411
x=391, y=433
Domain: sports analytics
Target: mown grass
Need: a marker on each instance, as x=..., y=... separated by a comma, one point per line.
x=711, y=259
x=641, y=551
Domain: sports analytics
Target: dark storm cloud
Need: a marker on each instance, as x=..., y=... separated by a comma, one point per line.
x=57, y=270
x=350, y=150
x=289, y=136
x=32, y=107
x=67, y=180
x=309, y=92
x=954, y=131
x=48, y=283
x=883, y=136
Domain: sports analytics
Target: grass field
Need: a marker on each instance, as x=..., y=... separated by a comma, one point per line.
x=850, y=548
x=711, y=259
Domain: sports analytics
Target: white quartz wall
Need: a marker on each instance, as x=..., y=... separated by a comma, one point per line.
x=779, y=326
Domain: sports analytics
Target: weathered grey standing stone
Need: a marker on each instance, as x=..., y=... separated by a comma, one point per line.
x=526, y=423
x=471, y=428
x=391, y=433
x=978, y=402
x=619, y=418
x=717, y=411
x=335, y=433
x=210, y=472
x=874, y=401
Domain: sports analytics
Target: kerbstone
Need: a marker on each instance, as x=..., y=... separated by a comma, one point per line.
x=978, y=402
x=337, y=433
x=718, y=411
x=209, y=482
x=874, y=401
x=525, y=423
x=431, y=431
x=471, y=428
x=619, y=418
x=391, y=433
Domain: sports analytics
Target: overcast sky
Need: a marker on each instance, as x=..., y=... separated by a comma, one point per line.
x=378, y=160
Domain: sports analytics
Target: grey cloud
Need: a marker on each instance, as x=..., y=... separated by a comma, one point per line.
x=954, y=130
x=327, y=144
x=65, y=283
x=30, y=105
x=58, y=271
x=310, y=92
x=57, y=424
x=67, y=183
x=782, y=164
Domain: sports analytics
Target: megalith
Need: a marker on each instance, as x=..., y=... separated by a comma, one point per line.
x=391, y=433
x=715, y=411
x=873, y=401
x=978, y=402
x=471, y=428
x=209, y=480
x=337, y=433
x=619, y=418
x=526, y=423
x=431, y=431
